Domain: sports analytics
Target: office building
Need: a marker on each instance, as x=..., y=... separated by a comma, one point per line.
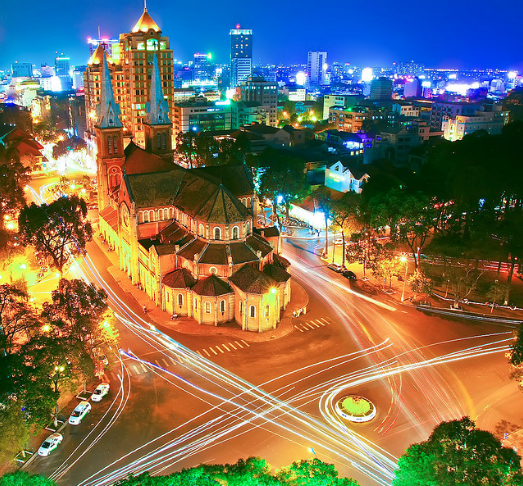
x=202, y=69
x=413, y=88
x=22, y=70
x=381, y=89
x=131, y=70
x=106, y=43
x=345, y=101
x=201, y=115
x=62, y=71
x=317, y=68
x=440, y=110
x=457, y=127
x=241, y=55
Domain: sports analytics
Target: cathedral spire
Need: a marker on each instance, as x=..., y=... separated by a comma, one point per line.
x=157, y=108
x=108, y=109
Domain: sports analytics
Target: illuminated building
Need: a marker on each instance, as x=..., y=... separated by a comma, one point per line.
x=241, y=55
x=185, y=237
x=348, y=120
x=202, y=68
x=345, y=101
x=22, y=70
x=381, y=89
x=106, y=43
x=413, y=88
x=344, y=176
x=440, y=110
x=131, y=65
x=457, y=127
x=317, y=68
x=61, y=69
x=201, y=115
x=258, y=103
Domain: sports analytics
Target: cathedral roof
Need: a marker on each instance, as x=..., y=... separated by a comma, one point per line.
x=157, y=108
x=98, y=56
x=212, y=286
x=236, y=178
x=179, y=279
x=108, y=109
x=252, y=281
x=276, y=273
x=138, y=161
x=145, y=23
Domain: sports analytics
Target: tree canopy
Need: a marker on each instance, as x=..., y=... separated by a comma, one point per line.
x=459, y=453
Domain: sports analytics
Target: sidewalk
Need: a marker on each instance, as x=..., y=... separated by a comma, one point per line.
x=188, y=325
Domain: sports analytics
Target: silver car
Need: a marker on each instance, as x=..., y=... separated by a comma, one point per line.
x=78, y=414
x=50, y=444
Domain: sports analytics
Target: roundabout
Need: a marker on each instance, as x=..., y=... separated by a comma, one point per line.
x=356, y=408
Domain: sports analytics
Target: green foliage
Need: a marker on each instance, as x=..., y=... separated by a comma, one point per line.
x=13, y=178
x=251, y=472
x=496, y=292
x=516, y=357
x=58, y=230
x=420, y=283
x=22, y=478
x=459, y=453
x=15, y=431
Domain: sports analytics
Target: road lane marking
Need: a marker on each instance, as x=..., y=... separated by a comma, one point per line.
x=306, y=326
x=200, y=353
x=225, y=346
x=324, y=320
x=315, y=324
x=157, y=363
x=207, y=353
x=301, y=330
x=219, y=349
x=165, y=362
x=136, y=370
x=232, y=346
x=145, y=370
x=238, y=344
x=246, y=344
x=172, y=359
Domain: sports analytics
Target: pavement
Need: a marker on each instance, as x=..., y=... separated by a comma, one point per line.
x=188, y=325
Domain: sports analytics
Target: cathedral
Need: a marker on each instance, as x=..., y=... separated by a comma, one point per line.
x=186, y=237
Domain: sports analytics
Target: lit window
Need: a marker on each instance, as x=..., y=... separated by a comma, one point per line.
x=207, y=307
x=252, y=311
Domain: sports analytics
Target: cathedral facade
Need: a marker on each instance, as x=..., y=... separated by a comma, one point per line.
x=186, y=237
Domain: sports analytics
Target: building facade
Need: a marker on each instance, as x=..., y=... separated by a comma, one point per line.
x=459, y=126
x=241, y=55
x=185, y=237
x=317, y=68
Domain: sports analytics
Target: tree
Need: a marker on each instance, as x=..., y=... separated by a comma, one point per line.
x=516, y=356
x=58, y=230
x=22, y=478
x=386, y=266
x=346, y=216
x=459, y=453
x=496, y=293
x=462, y=281
x=312, y=472
x=185, y=146
x=77, y=314
x=13, y=178
x=15, y=431
x=420, y=283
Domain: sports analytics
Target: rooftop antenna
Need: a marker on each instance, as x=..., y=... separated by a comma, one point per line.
x=99, y=36
x=145, y=4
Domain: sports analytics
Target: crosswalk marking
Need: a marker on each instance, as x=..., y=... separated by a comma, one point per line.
x=246, y=344
x=317, y=324
x=239, y=344
x=136, y=370
x=306, y=325
x=144, y=368
x=219, y=349
x=200, y=353
x=312, y=324
x=157, y=363
x=207, y=352
x=325, y=320
x=232, y=346
x=165, y=363
x=173, y=360
x=301, y=330
x=225, y=346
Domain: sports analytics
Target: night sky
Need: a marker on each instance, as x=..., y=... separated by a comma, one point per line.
x=448, y=33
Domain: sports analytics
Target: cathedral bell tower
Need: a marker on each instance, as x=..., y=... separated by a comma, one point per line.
x=109, y=141
x=158, y=126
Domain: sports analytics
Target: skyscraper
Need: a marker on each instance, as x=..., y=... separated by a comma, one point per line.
x=317, y=68
x=61, y=69
x=241, y=55
x=202, y=68
x=131, y=71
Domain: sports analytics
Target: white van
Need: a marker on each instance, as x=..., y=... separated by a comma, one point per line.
x=78, y=414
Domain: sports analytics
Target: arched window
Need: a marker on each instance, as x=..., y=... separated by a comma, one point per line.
x=267, y=311
x=241, y=307
x=151, y=216
x=222, y=306
x=252, y=311
x=146, y=217
x=164, y=141
x=207, y=307
x=161, y=215
x=235, y=233
x=217, y=233
x=248, y=202
x=110, y=145
x=180, y=300
x=201, y=230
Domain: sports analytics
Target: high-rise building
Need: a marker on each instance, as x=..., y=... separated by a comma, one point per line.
x=258, y=103
x=105, y=42
x=241, y=55
x=131, y=69
x=317, y=68
x=61, y=69
x=381, y=89
x=22, y=70
x=202, y=68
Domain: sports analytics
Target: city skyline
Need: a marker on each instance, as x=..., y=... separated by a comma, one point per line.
x=389, y=36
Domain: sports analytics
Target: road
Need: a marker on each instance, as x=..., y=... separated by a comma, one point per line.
x=178, y=400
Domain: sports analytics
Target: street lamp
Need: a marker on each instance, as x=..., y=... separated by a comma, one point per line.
x=403, y=259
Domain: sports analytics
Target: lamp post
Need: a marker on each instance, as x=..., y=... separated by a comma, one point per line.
x=403, y=259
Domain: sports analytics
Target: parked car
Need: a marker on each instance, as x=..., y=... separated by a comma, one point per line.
x=78, y=414
x=100, y=391
x=50, y=444
x=349, y=274
x=334, y=266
